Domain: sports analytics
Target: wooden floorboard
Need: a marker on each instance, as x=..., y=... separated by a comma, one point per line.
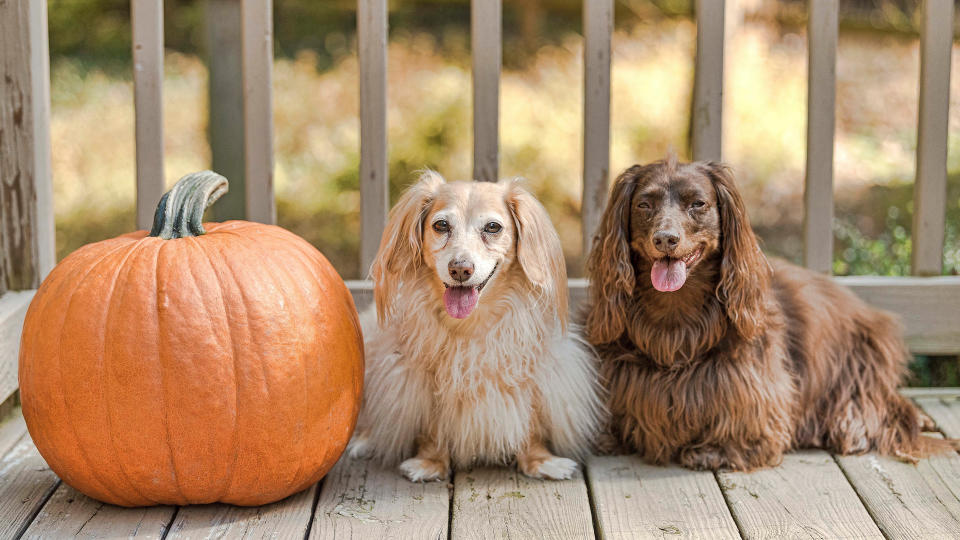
x=25, y=484
x=286, y=519
x=632, y=499
x=502, y=503
x=360, y=499
x=807, y=496
x=71, y=514
x=945, y=411
x=907, y=500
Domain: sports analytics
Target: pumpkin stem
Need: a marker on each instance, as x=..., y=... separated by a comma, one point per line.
x=180, y=212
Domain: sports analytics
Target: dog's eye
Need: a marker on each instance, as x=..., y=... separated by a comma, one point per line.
x=493, y=227
x=441, y=226
x=643, y=205
x=698, y=204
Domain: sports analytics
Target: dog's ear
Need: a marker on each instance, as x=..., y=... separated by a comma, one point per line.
x=538, y=249
x=609, y=266
x=744, y=271
x=400, y=252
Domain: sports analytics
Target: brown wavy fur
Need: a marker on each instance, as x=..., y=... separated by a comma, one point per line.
x=750, y=358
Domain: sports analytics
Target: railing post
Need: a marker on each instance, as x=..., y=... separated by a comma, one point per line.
x=26, y=210
x=147, y=22
x=821, y=99
x=930, y=187
x=374, y=174
x=486, y=49
x=707, y=112
x=597, y=31
x=257, y=32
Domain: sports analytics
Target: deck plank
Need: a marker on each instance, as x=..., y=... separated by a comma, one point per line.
x=12, y=430
x=71, y=514
x=502, y=503
x=288, y=518
x=945, y=411
x=806, y=496
x=25, y=484
x=362, y=500
x=906, y=500
x=635, y=500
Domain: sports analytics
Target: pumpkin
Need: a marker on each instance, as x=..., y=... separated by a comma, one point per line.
x=194, y=364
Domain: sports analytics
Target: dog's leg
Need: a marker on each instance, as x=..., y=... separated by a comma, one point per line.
x=432, y=462
x=537, y=462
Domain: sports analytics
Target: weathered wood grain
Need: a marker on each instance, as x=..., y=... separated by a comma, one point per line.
x=71, y=514
x=821, y=105
x=806, y=496
x=225, y=96
x=257, y=36
x=945, y=411
x=905, y=500
x=12, y=430
x=362, y=500
x=597, y=32
x=374, y=174
x=13, y=309
x=930, y=188
x=632, y=499
x=286, y=519
x=708, y=81
x=486, y=50
x=147, y=21
x=502, y=503
x=25, y=484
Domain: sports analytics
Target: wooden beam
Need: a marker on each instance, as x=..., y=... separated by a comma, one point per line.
x=597, y=32
x=374, y=172
x=13, y=309
x=225, y=97
x=930, y=188
x=486, y=48
x=257, y=36
x=821, y=104
x=147, y=20
x=42, y=176
x=708, y=82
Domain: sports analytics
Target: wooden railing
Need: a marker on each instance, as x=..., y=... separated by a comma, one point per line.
x=929, y=306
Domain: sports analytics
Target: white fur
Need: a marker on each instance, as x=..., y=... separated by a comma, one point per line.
x=483, y=387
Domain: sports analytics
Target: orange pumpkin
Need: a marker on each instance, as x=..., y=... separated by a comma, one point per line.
x=192, y=366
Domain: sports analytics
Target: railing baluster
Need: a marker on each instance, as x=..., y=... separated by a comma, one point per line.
x=486, y=48
x=597, y=31
x=257, y=30
x=374, y=172
x=930, y=188
x=43, y=178
x=821, y=99
x=147, y=21
x=708, y=81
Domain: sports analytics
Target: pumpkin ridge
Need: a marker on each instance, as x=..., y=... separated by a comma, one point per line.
x=103, y=364
x=163, y=379
x=236, y=371
x=66, y=406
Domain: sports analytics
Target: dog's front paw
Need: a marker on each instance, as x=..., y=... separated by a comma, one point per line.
x=552, y=468
x=424, y=470
x=359, y=448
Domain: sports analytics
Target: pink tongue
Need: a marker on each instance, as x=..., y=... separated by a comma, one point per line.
x=668, y=276
x=460, y=301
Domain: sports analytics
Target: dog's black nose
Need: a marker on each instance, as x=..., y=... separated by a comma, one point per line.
x=460, y=270
x=666, y=241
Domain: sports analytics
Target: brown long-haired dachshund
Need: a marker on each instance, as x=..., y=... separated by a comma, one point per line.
x=718, y=358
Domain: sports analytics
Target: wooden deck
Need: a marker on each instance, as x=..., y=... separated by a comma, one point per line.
x=812, y=494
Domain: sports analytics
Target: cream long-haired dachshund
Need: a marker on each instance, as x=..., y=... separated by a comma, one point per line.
x=468, y=357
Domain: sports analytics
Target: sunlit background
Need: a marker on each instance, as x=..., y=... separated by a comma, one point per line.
x=317, y=127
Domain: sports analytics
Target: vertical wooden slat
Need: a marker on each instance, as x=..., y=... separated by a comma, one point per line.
x=821, y=99
x=147, y=20
x=930, y=188
x=597, y=31
x=257, y=30
x=486, y=48
x=225, y=96
x=42, y=177
x=708, y=81
x=374, y=175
